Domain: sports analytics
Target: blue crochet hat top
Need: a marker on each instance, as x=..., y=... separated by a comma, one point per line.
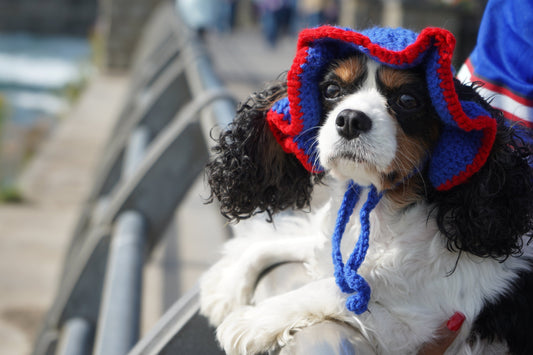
x=468, y=130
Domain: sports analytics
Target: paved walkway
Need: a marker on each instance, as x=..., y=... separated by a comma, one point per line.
x=35, y=234
x=245, y=62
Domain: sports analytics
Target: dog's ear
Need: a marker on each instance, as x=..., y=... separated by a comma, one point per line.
x=250, y=173
x=489, y=214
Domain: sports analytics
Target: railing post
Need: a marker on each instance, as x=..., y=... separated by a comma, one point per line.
x=118, y=326
x=76, y=338
x=137, y=144
x=119, y=318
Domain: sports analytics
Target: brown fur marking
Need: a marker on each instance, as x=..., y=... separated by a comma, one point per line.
x=395, y=78
x=351, y=69
x=405, y=189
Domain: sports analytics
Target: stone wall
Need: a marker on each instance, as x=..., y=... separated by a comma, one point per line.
x=65, y=17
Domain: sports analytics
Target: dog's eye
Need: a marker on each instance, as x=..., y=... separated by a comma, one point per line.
x=332, y=91
x=407, y=102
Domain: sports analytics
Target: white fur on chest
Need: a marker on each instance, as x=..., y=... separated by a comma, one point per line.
x=416, y=282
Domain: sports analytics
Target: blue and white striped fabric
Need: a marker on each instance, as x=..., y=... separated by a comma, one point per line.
x=503, y=60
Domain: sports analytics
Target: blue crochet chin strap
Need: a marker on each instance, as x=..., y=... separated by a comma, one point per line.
x=346, y=276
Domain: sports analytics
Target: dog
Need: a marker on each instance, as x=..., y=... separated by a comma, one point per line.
x=453, y=215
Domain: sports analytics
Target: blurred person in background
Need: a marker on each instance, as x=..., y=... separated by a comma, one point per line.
x=313, y=13
x=331, y=12
x=228, y=13
x=275, y=17
x=310, y=13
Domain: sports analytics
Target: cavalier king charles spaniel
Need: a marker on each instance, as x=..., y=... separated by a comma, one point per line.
x=374, y=115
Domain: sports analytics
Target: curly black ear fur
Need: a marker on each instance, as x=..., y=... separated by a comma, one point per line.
x=489, y=215
x=250, y=172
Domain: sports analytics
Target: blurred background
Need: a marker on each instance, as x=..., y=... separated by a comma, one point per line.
x=49, y=49
x=64, y=71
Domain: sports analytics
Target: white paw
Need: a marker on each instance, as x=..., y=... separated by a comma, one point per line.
x=252, y=330
x=224, y=288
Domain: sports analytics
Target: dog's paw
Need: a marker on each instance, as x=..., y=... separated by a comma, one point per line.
x=224, y=288
x=252, y=330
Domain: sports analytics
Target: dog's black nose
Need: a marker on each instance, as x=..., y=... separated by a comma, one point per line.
x=351, y=123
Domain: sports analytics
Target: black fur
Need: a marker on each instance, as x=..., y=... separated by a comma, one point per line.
x=488, y=215
x=251, y=173
x=510, y=318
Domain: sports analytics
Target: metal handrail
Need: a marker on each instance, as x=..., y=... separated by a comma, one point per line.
x=137, y=190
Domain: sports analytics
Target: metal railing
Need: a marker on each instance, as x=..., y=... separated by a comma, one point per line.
x=159, y=146
x=158, y=149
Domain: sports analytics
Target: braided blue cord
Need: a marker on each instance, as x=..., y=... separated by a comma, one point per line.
x=351, y=197
x=346, y=276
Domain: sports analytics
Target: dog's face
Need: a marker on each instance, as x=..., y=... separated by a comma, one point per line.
x=378, y=127
x=378, y=122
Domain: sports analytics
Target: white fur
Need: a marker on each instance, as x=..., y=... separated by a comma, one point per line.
x=407, y=267
x=407, y=264
x=377, y=148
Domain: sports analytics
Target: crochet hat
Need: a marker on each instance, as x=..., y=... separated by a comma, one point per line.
x=468, y=130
